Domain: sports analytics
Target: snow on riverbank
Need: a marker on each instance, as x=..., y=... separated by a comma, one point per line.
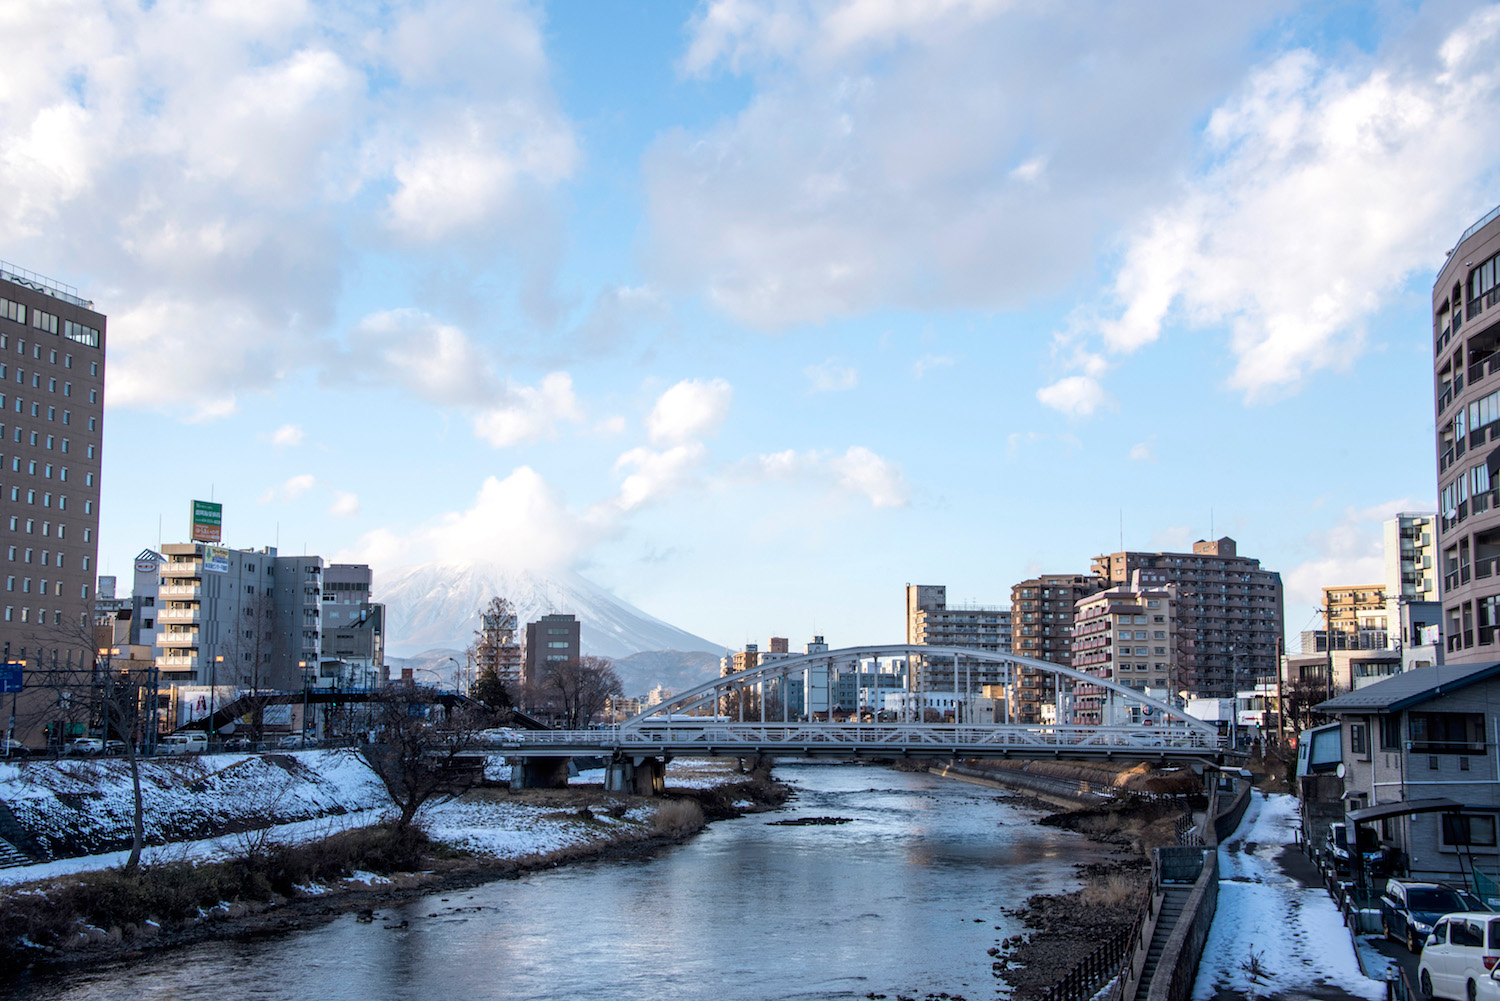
x=306, y=795
x=1295, y=930
x=85, y=806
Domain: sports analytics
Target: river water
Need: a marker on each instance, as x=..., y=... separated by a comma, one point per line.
x=906, y=897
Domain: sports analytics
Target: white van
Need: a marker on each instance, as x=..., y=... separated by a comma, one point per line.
x=1461, y=954
x=183, y=743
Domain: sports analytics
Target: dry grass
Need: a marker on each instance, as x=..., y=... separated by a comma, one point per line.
x=1116, y=889
x=678, y=817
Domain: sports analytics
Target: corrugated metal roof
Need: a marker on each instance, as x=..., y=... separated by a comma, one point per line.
x=1410, y=688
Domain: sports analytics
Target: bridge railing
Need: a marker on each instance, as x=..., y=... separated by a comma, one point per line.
x=936, y=736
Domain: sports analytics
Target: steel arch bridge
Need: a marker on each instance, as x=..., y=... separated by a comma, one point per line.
x=737, y=714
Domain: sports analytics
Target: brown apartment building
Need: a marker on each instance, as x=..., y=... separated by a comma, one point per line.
x=51, y=421
x=1466, y=385
x=1041, y=621
x=1229, y=613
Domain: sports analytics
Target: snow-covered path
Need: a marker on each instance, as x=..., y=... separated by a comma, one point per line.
x=1296, y=930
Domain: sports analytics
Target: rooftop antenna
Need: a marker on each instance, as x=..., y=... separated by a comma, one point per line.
x=1122, y=529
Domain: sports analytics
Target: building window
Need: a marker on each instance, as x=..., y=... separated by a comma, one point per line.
x=1447, y=733
x=1468, y=830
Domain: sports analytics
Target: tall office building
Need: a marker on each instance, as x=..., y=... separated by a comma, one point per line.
x=51, y=418
x=1042, y=611
x=246, y=618
x=353, y=642
x=1413, y=609
x=551, y=640
x=1229, y=613
x=1466, y=366
x=1126, y=634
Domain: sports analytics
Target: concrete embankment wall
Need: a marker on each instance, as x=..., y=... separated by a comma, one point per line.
x=1179, y=960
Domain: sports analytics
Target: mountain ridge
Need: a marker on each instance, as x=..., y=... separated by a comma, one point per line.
x=436, y=605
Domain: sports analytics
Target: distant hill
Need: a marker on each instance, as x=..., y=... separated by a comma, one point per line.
x=639, y=673
x=436, y=607
x=676, y=669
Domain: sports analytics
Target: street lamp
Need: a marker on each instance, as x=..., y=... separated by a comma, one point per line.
x=212, y=683
x=458, y=672
x=306, y=683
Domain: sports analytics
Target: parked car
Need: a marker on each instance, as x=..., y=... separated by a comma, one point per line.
x=1461, y=956
x=1336, y=849
x=114, y=747
x=1409, y=910
x=292, y=741
x=84, y=745
x=183, y=743
x=12, y=748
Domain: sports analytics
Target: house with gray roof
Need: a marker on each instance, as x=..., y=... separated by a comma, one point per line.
x=1421, y=762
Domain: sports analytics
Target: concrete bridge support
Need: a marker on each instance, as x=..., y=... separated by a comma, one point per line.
x=539, y=773
x=638, y=776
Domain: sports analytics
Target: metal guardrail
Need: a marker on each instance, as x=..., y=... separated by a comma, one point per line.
x=890, y=738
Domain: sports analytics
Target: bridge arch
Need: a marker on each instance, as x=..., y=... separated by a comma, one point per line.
x=718, y=691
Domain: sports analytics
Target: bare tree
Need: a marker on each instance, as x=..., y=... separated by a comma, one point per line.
x=579, y=688
x=78, y=681
x=248, y=654
x=416, y=748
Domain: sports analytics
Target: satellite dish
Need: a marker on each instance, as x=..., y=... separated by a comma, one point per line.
x=1340, y=770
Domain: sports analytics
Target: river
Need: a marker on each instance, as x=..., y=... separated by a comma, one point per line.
x=906, y=897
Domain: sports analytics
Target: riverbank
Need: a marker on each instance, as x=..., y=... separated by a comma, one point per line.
x=266, y=887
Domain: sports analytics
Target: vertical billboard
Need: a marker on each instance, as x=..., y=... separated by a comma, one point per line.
x=208, y=520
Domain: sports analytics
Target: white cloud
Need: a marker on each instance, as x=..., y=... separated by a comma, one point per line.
x=830, y=377
x=518, y=522
x=1143, y=451
x=656, y=475
x=290, y=490
x=531, y=412
x=690, y=409
x=440, y=363
x=287, y=436
x=1074, y=395
x=858, y=471
x=929, y=363
x=862, y=471
x=1327, y=188
x=914, y=155
x=215, y=166
x=345, y=505
x=1173, y=539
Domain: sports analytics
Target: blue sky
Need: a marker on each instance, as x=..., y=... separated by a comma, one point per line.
x=755, y=310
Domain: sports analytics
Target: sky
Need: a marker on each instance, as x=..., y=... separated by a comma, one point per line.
x=754, y=311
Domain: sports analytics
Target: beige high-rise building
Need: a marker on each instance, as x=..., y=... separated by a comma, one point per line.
x=1466, y=383
x=1128, y=635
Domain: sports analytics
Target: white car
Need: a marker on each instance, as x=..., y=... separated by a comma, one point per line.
x=1461, y=957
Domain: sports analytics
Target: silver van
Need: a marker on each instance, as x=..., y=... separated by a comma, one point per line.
x=183, y=743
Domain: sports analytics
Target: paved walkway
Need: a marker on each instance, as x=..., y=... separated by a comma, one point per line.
x=1273, y=907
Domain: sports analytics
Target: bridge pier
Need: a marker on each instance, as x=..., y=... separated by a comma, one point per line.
x=539, y=773
x=637, y=776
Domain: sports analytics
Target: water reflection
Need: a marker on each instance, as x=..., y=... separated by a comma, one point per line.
x=906, y=897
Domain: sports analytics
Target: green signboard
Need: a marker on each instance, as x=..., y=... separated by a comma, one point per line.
x=208, y=521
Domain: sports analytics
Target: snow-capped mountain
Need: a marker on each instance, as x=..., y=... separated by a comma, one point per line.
x=438, y=604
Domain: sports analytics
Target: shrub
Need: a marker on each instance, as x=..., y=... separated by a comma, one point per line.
x=677, y=817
